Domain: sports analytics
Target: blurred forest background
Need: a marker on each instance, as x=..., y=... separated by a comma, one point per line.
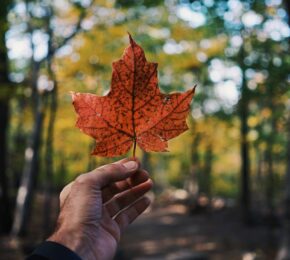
x=232, y=166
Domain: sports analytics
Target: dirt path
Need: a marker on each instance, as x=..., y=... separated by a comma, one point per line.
x=171, y=233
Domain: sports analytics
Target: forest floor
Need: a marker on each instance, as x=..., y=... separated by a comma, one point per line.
x=171, y=232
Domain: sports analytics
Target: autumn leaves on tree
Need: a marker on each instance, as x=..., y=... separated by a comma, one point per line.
x=134, y=111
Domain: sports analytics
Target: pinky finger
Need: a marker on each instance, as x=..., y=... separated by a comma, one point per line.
x=127, y=216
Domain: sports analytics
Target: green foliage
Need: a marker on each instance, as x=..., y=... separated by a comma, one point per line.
x=187, y=55
x=226, y=185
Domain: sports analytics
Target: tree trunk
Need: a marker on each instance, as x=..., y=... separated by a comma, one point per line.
x=29, y=176
x=245, y=160
x=5, y=210
x=284, y=252
x=31, y=159
x=258, y=180
x=269, y=160
x=270, y=184
x=194, y=180
x=28, y=180
x=48, y=171
x=207, y=170
x=49, y=154
x=245, y=164
x=19, y=140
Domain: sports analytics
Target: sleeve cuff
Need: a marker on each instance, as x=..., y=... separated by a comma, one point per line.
x=53, y=251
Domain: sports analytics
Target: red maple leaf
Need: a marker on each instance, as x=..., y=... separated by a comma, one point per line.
x=134, y=111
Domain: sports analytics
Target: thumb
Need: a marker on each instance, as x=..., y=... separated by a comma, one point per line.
x=109, y=173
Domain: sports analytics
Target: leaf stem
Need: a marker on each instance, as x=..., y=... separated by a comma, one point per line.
x=134, y=149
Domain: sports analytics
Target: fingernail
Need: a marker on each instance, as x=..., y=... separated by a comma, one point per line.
x=131, y=165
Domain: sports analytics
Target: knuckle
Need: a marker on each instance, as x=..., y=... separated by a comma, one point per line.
x=113, y=167
x=81, y=179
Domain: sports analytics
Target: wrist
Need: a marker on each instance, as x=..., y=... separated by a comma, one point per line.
x=73, y=240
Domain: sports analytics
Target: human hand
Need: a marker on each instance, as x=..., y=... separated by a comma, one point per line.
x=97, y=206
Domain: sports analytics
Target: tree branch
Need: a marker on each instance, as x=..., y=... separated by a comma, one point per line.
x=65, y=40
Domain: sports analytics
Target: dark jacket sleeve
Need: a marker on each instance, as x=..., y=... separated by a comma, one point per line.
x=49, y=250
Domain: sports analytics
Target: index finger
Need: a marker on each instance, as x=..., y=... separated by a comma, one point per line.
x=112, y=189
x=110, y=173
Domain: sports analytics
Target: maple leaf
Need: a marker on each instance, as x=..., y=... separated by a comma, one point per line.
x=134, y=111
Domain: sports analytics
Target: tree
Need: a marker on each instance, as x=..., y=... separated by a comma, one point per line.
x=40, y=99
x=5, y=85
x=284, y=252
x=245, y=159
